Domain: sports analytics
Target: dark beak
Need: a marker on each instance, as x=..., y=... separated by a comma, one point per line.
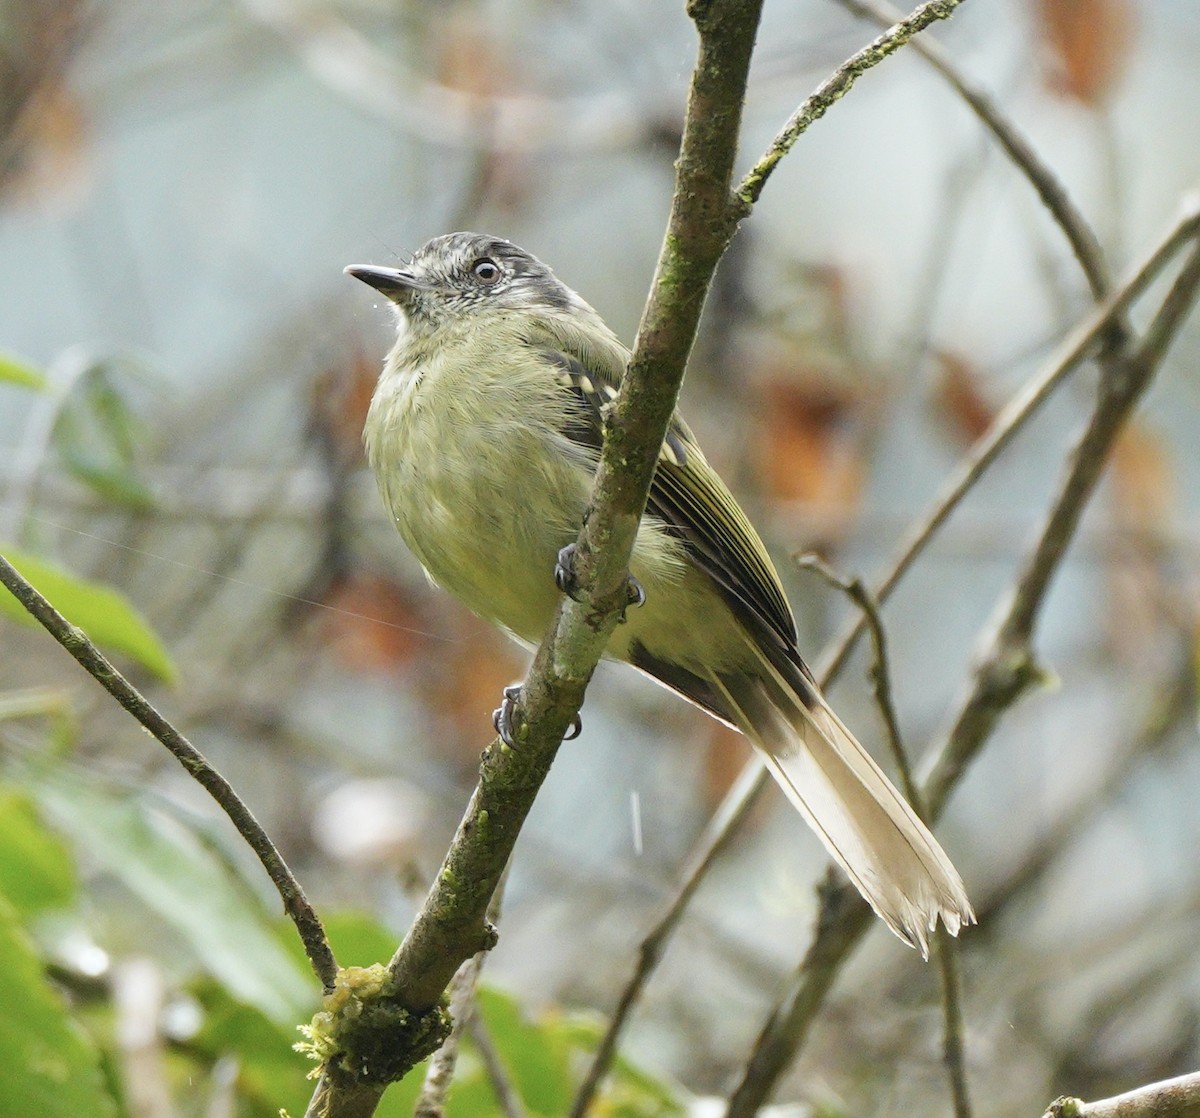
x=395, y=283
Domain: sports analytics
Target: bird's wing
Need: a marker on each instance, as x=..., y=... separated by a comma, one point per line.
x=686, y=495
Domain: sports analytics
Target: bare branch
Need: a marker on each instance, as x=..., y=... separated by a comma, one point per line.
x=101, y=669
x=451, y=924
x=1170, y=1098
x=721, y=829
x=735, y=808
x=1007, y=668
x=834, y=88
x=947, y=945
x=1012, y=419
x=1041, y=176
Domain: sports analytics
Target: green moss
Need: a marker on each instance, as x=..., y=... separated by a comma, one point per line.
x=363, y=1035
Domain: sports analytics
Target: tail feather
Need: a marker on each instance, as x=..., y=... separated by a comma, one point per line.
x=863, y=821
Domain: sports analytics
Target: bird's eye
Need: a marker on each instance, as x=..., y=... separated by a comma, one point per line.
x=486, y=270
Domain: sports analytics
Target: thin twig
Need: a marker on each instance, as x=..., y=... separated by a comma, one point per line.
x=735, y=807
x=721, y=829
x=1005, y=672
x=100, y=668
x=506, y=1094
x=1170, y=1098
x=431, y=1103
x=1041, y=176
x=881, y=680
x=463, y=1010
x=451, y=925
x=834, y=88
x=953, y=1056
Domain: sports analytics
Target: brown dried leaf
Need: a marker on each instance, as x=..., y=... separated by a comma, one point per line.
x=338, y=406
x=46, y=160
x=373, y=623
x=727, y=754
x=463, y=681
x=1143, y=480
x=808, y=447
x=1087, y=44
x=959, y=398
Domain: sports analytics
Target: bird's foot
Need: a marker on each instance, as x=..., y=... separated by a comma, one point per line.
x=564, y=572
x=565, y=579
x=502, y=718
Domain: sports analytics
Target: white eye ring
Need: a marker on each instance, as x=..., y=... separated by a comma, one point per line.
x=486, y=270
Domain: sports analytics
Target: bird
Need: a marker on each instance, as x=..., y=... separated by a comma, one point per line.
x=484, y=431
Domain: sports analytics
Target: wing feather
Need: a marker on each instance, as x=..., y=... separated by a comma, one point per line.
x=686, y=495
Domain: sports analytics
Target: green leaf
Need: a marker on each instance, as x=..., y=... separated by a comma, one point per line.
x=537, y=1058
x=629, y=1091
x=187, y=884
x=14, y=371
x=106, y=615
x=50, y=1068
x=36, y=868
x=359, y=939
x=271, y=1074
x=98, y=434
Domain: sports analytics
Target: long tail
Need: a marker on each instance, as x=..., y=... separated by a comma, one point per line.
x=864, y=822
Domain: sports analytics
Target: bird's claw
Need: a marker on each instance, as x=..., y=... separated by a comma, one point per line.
x=636, y=592
x=564, y=572
x=566, y=581
x=502, y=718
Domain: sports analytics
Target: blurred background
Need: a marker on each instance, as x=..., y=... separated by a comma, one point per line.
x=185, y=375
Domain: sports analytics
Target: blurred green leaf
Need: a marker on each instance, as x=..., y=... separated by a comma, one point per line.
x=98, y=435
x=629, y=1091
x=541, y=1056
x=538, y=1059
x=401, y=1098
x=472, y=1094
x=271, y=1074
x=50, y=1068
x=14, y=371
x=106, y=615
x=359, y=939
x=50, y=703
x=188, y=885
x=36, y=868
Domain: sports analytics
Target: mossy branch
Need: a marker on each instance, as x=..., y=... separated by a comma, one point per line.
x=452, y=923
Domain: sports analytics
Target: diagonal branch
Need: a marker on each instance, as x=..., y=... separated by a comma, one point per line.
x=734, y=809
x=834, y=88
x=1006, y=670
x=96, y=664
x=451, y=925
x=1059, y=204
